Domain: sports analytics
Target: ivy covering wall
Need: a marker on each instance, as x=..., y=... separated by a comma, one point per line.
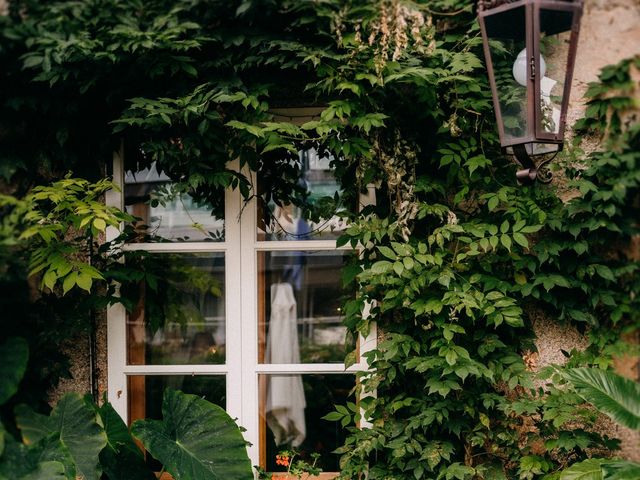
x=455, y=256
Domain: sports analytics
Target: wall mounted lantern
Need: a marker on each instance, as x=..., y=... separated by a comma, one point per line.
x=530, y=49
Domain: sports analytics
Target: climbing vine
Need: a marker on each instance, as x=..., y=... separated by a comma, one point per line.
x=455, y=259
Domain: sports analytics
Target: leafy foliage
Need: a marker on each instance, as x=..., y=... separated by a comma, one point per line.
x=195, y=439
x=79, y=440
x=616, y=396
x=14, y=353
x=455, y=259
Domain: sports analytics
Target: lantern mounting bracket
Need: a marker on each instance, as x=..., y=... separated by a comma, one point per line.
x=531, y=171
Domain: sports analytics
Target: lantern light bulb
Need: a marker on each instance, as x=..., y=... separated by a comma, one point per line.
x=520, y=68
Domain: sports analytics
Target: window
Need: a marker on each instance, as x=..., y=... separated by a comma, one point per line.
x=245, y=312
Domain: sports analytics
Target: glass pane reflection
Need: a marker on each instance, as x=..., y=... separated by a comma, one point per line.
x=554, y=49
x=291, y=411
x=182, y=320
x=168, y=213
x=146, y=391
x=288, y=222
x=509, y=59
x=300, y=318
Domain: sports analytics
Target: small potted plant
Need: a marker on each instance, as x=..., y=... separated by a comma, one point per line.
x=298, y=469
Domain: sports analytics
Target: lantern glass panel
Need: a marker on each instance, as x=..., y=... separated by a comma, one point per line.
x=507, y=46
x=555, y=36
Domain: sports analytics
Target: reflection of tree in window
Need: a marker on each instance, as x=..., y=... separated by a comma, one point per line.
x=183, y=313
x=170, y=210
x=512, y=95
x=313, y=205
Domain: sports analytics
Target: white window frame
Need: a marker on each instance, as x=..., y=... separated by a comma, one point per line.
x=241, y=369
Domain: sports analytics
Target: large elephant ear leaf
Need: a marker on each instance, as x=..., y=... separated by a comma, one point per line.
x=195, y=440
x=611, y=394
x=46, y=471
x=73, y=424
x=40, y=461
x=121, y=459
x=14, y=354
x=33, y=426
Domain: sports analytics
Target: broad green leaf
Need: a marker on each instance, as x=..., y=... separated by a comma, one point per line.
x=44, y=461
x=14, y=354
x=33, y=426
x=121, y=459
x=46, y=471
x=387, y=252
x=520, y=239
x=74, y=425
x=587, y=470
x=84, y=281
x=100, y=224
x=196, y=440
x=611, y=394
x=620, y=470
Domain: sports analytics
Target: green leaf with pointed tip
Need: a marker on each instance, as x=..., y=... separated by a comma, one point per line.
x=74, y=424
x=46, y=471
x=121, y=459
x=196, y=440
x=45, y=460
x=620, y=470
x=14, y=354
x=588, y=470
x=613, y=395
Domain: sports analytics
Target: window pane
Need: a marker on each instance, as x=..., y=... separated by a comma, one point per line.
x=300, y=318
x=181, y=320
x=167, y=213
x=289, y=222
x=291, y=411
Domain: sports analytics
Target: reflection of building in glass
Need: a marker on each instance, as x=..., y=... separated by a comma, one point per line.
x=169, y=214
x=288, y=222
x=183, y=322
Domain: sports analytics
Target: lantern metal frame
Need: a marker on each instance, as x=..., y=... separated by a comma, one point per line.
x=535, y=133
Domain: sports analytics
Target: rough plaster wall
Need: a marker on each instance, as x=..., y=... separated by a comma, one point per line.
x=610, y=32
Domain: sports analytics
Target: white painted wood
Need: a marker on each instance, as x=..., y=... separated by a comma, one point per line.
x=233, y=301
x=116, y=329
x=175, y=369
x=293, y=368
x=241, y=313
x=179, y=247
x=306, y=245
x=113, y=198
x=116, y=357
x=249, y=273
